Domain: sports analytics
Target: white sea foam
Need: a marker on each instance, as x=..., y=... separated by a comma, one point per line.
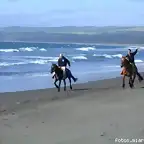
x=41, y=62
x=11, y=64
x=86, y=48
x=42, y=49
x=23, y=49
x=139, y=61
x=108, y=56
x=135, y=47
x=79, y=58
x=29, y=49
x=9, y=50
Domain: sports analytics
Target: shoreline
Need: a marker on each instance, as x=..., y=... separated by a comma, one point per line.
x=17, y=100
x=109, y=44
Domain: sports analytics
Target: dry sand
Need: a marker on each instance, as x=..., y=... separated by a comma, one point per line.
x=93, y=113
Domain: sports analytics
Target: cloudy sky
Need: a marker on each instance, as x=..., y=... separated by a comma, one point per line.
x=71, y=12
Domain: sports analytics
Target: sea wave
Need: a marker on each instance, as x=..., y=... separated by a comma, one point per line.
x=31, y=60
x=122, y=49
x=108, y=56
x=27, y=74
x=79, y=58
x=11, y=64
x=9, y=50
x=135, y=47
x=23, y=49
x=139, y=61
x=86, y=48
x=43, y=60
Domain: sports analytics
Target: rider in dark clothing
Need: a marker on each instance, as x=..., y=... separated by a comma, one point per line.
x=63, y=62
x=131, y=58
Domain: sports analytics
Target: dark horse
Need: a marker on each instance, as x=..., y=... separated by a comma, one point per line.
x=59, y=76
x=128, y=70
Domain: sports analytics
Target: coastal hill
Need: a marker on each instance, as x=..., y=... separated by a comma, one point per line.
x=86, y=34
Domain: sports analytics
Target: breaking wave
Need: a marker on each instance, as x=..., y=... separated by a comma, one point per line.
x=79, y=58
x=41, y=60
x=86, y=49
x=23, y=49
x=108, y=56
x=139, y=61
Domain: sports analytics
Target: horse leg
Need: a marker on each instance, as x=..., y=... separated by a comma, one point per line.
x=59, y=85
x=123, y=85
x=131, y=82
x=134, y=76
x=70, y=82
x=132, y=79
x=64, y=84
x=55, y=83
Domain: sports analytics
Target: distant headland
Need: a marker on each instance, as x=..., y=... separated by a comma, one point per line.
x=73, y=34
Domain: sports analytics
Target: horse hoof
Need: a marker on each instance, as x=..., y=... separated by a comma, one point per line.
x=58, y=90
x=71, y=87
x=64, y=89
x=123, y=86
x=131, y=86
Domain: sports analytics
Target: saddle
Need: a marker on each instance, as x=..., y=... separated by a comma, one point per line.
x=64, y=72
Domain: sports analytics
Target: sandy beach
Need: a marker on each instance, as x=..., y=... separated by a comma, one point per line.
x=99, y=112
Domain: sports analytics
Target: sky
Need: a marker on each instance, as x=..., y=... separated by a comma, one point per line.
x=71, y=12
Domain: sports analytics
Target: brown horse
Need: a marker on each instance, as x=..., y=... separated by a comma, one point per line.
x=128, y=70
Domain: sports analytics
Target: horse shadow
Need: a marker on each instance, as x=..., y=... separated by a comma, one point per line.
x=69, y=94
x=82, y=89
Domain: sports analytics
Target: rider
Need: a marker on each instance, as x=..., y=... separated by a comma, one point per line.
x=62, y=63
x=130, y=56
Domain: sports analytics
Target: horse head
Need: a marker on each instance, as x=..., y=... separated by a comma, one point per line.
x=124, y=61
x=53, y=67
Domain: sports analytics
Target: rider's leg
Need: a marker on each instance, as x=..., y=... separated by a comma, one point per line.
x=53, y=74
x=138, y=74
x=140, y=77
x=64, y=70
x=74, y=79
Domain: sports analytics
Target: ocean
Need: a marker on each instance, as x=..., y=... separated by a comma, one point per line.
x=26, y=66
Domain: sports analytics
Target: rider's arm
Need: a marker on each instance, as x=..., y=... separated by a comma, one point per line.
x=68, y=62
x=135, y=52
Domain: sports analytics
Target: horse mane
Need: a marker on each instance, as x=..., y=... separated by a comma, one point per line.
x=124, y=58
x=54, y=64
x=124, y=61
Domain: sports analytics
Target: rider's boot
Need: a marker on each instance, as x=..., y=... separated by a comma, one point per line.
x=75, y=79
